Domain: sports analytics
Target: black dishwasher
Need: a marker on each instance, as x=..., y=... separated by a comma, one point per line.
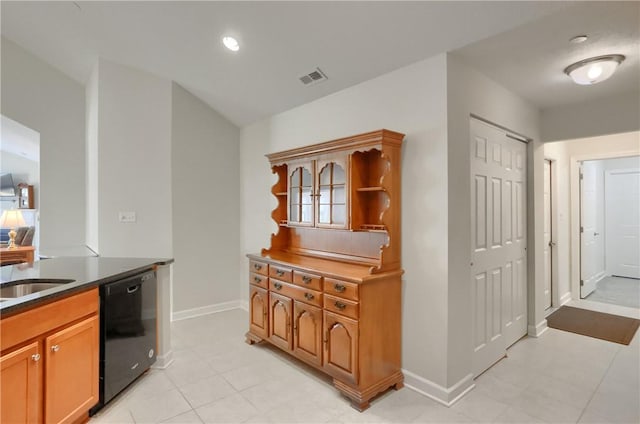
x=127, y=332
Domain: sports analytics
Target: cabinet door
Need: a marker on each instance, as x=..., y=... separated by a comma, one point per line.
x=307, y=332
x=301, y=195
x=71, y=373
x=21, y=385
x=331, y=193
x=341, y=347
x=280, y=321
x=258, y=304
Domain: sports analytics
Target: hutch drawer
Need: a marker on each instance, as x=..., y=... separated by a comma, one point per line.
x=341, y=306
x=281, y=273
x=341, y=289
x=259, y=280
x=311, y=297
x=259, y=267
x=307, y=280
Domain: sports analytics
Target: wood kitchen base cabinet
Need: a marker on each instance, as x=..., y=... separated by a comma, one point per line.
x=49, y=362
x=21, y=385
x=328, y=289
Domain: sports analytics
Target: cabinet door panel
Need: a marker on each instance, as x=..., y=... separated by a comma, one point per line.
x=258, y=304
x=307, y=333
x=300, y=194
x=71, y=372
x=331, y=189
x=341, y=347
x=20, y=388
x=280, y=321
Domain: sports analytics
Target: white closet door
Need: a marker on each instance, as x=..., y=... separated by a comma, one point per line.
x=498, y=243
x=622, y=211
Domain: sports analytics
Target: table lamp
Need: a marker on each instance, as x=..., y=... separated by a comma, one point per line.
x=12, y=219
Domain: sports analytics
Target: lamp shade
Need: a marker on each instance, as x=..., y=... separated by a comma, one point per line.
x=12, y=219
x=594, y=70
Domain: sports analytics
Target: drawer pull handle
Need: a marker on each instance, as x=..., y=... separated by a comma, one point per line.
x=339, y=288
x=55, y=348
x=257, y=279
x=279, y=272
x=308, y=296
x=35, y=357
x=278, y=286
x=340, y=305
x=306, y=279
x=257, y=267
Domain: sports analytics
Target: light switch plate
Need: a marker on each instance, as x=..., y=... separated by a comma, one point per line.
x=127, y=217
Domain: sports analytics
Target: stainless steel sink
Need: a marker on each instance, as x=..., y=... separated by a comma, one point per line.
x=10, y=291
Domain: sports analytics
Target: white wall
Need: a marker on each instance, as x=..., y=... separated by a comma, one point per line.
x=613, y=114
x=205, y=160
x=567, y=155
x=44, y=99
x=134, y=162
x=411, y=100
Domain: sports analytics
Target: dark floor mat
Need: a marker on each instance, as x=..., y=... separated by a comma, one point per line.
x=603, y=326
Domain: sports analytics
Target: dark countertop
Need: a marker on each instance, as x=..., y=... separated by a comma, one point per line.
x=86, y=272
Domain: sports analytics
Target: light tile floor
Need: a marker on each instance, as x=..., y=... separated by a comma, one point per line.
x=217, y=378
x=618, y=291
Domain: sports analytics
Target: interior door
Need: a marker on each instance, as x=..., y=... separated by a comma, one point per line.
x=591, y=226
x=622, y=211
x=498, y=242
x=548, y=244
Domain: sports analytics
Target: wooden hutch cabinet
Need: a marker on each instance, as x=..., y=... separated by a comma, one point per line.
x=328, y=289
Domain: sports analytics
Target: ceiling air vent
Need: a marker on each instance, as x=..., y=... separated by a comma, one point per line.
x=313, y=77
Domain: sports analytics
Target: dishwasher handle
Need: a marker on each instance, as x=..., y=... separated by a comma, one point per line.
x=133, y=289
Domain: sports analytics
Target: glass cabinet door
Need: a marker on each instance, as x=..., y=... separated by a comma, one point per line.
x=332, y=205
x=301, y=197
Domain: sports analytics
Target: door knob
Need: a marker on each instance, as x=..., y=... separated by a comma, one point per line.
x=551, y=244
x=55, y=348
x=36, y=357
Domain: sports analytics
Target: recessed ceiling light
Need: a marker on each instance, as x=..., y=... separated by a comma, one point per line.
x=595, y=69
x=578, y=39
x=231, y=43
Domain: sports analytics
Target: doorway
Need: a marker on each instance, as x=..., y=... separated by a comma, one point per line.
x=20, y=164
x=498, y=241
x=610, y=231
x=548, y=234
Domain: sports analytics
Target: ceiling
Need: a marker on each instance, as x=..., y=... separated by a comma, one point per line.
x=522, y=45
x=530, y=59
x=280, y=41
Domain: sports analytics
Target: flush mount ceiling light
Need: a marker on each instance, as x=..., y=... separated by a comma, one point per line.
x=231, y=43
x=594, y=70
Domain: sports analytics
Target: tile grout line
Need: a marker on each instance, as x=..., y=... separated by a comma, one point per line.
x=604, y=375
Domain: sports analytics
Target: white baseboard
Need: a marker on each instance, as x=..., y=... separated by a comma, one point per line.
x=205, y=310
x=163, y=361
x=538, y=329
x=565, y=298
x=445, y=396
x=244, y=304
